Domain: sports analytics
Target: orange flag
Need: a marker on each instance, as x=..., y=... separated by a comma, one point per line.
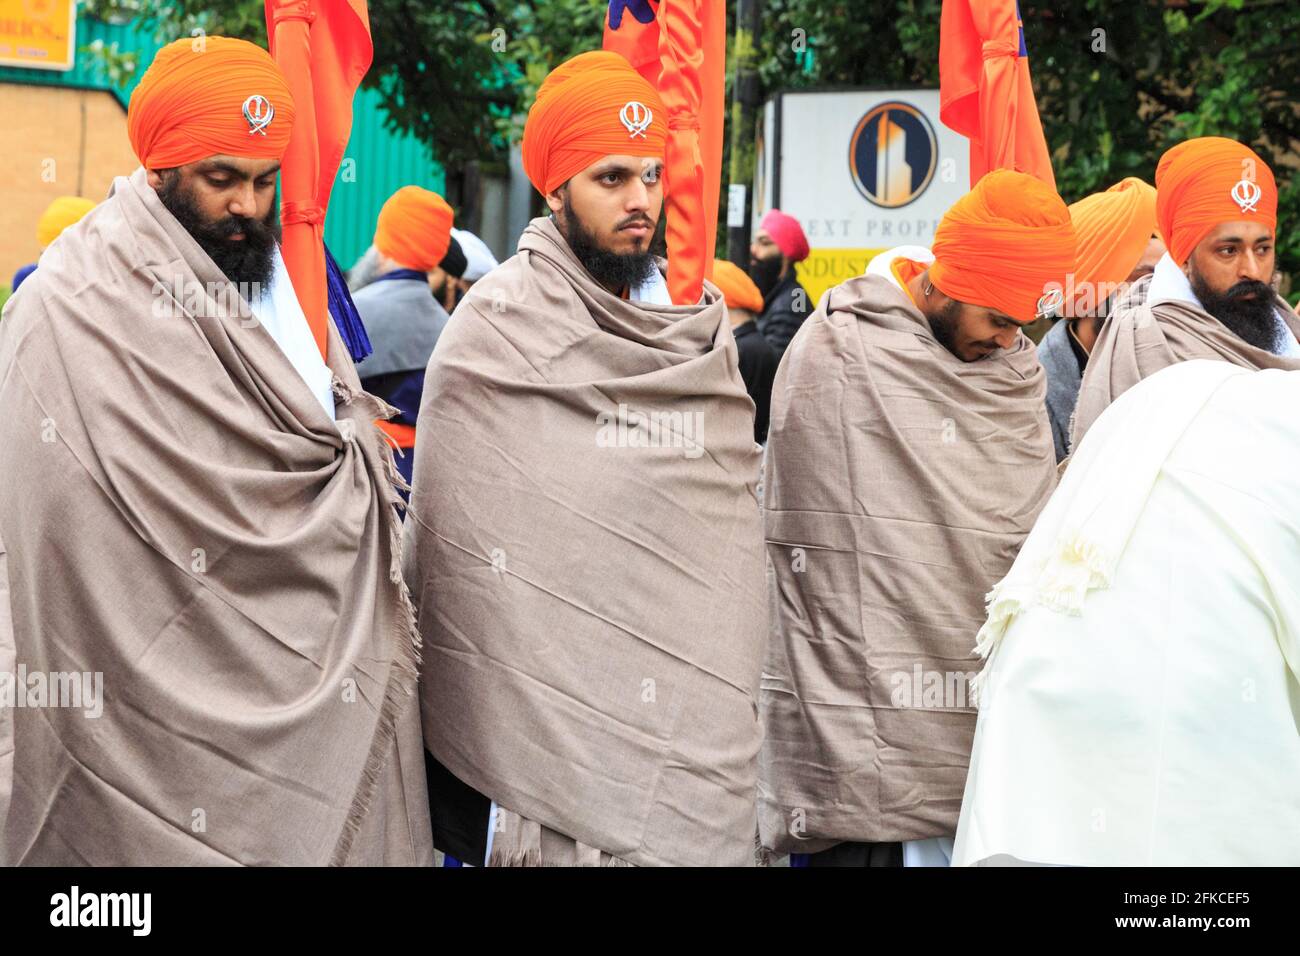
x=984, y=89
x=632, y=29
x=323, y=47
x=680, y=47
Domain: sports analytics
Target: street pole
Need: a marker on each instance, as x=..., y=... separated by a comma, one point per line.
x=744, y=110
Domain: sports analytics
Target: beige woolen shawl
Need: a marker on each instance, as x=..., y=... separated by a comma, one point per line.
x=900, y=482
x=1143, y=337
x=588, y=557
x=179, y=513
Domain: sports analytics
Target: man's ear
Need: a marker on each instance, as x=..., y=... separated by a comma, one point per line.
x=555, y=201
x=155, y=178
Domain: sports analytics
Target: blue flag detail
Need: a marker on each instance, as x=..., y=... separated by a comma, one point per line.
x=640, y=9
x=346, y=318
x=1024, y=50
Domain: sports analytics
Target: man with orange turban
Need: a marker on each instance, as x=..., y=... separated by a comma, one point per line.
x=191, y=529
x=758, y=360
x=583, y=536
x=415, y=251
x=1212, y=295
x=1117, y=245
x=908, y=456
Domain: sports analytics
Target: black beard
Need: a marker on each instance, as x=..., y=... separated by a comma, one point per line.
x=944, y=325
x=765, y=273
x=614, y=270
x=249, y=263
x=1251, y=320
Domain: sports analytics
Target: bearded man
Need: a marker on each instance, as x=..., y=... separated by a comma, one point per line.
x=908, y=455
x=1212, y=295
x=197, y=516
x=779, y=244
x=583, y=526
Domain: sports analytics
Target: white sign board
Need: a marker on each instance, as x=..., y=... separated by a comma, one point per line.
x=862, y=171
x=735, y=205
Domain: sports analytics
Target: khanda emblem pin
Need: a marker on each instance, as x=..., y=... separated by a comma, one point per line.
x=1050, y=302
x=259, y=112
x=636, y=117
x=1246, y=194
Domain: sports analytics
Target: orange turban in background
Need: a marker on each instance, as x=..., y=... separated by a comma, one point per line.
x=191, y=104
x=414, y=228
x=738, y=289
x=59, y=215
x=1203, y=182
x=587, y=108
x=1112, y=230
x=1003, y=244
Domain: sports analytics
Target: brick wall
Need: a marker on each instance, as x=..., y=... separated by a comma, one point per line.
x=55, y=142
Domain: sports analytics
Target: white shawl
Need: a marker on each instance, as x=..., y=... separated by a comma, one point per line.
x=1145, y=647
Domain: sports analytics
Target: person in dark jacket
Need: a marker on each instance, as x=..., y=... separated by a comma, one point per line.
x=758, y=360
x=779, y=243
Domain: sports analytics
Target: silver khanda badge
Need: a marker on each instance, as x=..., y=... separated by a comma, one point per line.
x=259, y=112
x=1050, y=302
x=636, y=117
x=1246, y=194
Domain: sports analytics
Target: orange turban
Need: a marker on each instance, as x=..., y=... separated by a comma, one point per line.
x=1003, y=244
x=209, y=95
x=414, y=228
x=1203, y=182
x=738, y=289
x=1113, y=229
x=59, y=215
x=591, y=106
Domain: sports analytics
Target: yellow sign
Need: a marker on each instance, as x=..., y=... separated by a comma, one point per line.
x=38, y=34
x=828, y=267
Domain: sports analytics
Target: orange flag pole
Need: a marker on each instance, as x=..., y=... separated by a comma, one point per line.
x=681, y=50
x=712, y=120
x=324, y=48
